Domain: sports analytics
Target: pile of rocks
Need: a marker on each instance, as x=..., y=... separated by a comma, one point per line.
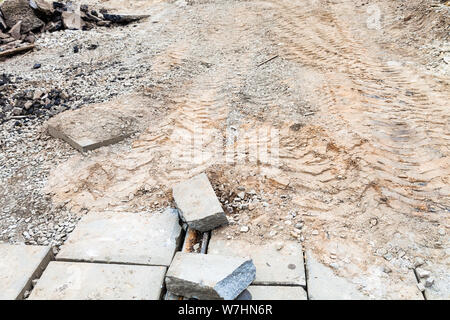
x=21, y=20
x=37, y=102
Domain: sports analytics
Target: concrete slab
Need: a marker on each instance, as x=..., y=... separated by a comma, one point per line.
x=273, y=267
x=273, y=293
x=93, y=126
x=121, y=237
x=198, y=204
x=209, y=277
x=19, y=265
x=323, y=284
x=92, y=281
x=440, y=289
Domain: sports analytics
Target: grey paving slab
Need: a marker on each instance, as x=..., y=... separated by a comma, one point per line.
x=273, y=293
x=19, y=265
x=273, y=266
x=198, y=204
x=207, y=276
x=93, y=126
x=94, y=281
x=440, y=277
x=323, y=284
x=124, y=237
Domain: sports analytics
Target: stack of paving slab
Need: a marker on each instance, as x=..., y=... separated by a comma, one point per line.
x=113, y=255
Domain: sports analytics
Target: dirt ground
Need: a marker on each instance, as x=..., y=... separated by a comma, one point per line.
x=341, y=141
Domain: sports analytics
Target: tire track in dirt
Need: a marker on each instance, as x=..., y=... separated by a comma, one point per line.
x=376, y=101
x=188, y=140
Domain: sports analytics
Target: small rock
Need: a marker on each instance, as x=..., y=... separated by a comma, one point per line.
x=298, y=226
x=37, y=94
x=36, y=66
x=315, y=232
x=244, y=229
x=15, y=31
x=388, y=256
x=16, y=111
x=422, y=273
x=334, y=265
x=30, y=39
x=279, y=245
x=418, y=262
x=429, y=282
x=241, y=195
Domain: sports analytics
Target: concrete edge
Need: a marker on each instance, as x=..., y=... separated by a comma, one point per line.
x=100, y=261
x=59, y=135
x=37, y=273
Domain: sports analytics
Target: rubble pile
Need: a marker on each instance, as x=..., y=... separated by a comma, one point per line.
x=28, y=103
x=22, y=20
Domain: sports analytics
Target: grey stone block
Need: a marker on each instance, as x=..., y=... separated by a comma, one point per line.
x=198, y=204
x=19, y=265
x=92, y=281
x=273, y=266
x=273, y=293
x=93, y=126
x=120, y=237
x=323, y=284
x=207, y=277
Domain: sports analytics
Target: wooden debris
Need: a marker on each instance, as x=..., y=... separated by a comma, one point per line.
x=268, y=60
x=15, y=51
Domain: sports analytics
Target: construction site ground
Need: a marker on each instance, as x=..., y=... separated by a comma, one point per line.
x=319, y=122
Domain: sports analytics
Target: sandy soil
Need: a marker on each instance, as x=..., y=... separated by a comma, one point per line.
x=345, y=131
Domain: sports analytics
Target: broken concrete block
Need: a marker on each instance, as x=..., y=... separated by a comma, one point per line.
x=198, y=204
x=209, y=277
x=19, y=265
x=43, y=6
x=93, y=126
x=72, y=20
x=91, y=281
x=19, y=10
x=15, y=31
x=121, y=237
x=274, y=267
x=273, y=293
x=323, y=284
